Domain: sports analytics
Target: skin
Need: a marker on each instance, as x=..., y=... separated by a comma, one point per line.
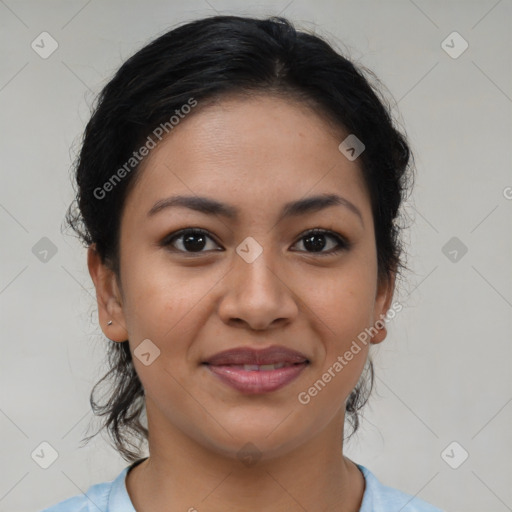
x=255, y=154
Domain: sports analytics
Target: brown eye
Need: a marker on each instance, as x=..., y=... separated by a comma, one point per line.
x=314, y=241
x=191, y=240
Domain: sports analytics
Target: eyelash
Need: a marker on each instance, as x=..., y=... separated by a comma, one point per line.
x=343, y=243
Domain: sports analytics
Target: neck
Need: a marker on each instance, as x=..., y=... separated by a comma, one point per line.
x=182, y=474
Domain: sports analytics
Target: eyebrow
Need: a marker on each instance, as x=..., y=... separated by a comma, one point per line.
x=292, y=209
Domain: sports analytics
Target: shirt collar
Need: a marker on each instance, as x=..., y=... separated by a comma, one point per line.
x=119, y=499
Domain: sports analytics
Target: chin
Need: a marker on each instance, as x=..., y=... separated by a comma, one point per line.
x=252, y=449
x=262, y=435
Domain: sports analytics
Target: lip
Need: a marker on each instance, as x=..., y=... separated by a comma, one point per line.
x=235, y=368
x=246, y=355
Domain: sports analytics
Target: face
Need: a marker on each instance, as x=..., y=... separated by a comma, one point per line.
x=254, y=277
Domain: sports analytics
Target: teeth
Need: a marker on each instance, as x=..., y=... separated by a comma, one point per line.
x=271, y=366
x=263, y=367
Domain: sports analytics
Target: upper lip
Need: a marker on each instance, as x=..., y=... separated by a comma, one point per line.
x=245, y=355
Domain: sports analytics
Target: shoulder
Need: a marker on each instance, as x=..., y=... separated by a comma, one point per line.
x=101, y=496
x=381, y=498
x=96, y=498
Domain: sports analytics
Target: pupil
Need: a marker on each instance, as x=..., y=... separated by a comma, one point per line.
x=189, y=244
x=196, y=242
x=316, y=244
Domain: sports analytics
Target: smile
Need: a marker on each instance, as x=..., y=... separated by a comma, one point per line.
x=257, y=379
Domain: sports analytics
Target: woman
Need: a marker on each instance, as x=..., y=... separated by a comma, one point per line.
x=238, y=189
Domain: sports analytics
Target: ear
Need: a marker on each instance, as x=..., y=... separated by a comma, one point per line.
x=385, y=291
x=108, y=296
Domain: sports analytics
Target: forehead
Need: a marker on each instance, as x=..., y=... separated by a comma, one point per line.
x=254, y=151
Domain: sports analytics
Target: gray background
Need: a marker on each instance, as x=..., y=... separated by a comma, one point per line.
x=444, y=370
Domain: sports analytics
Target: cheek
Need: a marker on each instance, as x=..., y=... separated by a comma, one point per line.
x=342, y=304
x=161, y=297
x=343, y=307
x=170, y=307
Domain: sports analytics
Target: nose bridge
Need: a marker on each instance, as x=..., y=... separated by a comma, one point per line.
x=255, y=267
x=256, y=293
x=258, y=275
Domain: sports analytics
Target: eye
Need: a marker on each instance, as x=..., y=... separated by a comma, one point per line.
x=195, y=240
x=189, y=240
x=315, y=240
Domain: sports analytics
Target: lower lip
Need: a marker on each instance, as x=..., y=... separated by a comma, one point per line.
x=257, y=382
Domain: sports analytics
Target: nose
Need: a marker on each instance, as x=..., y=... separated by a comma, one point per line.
x=257, y=297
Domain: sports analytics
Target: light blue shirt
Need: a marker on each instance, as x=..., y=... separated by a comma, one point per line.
x=113, y=497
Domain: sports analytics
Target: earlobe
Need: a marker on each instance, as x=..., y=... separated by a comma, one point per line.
x=108, y=296
x=380, y=336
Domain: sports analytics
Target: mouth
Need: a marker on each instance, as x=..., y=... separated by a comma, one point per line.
x=252, y=371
